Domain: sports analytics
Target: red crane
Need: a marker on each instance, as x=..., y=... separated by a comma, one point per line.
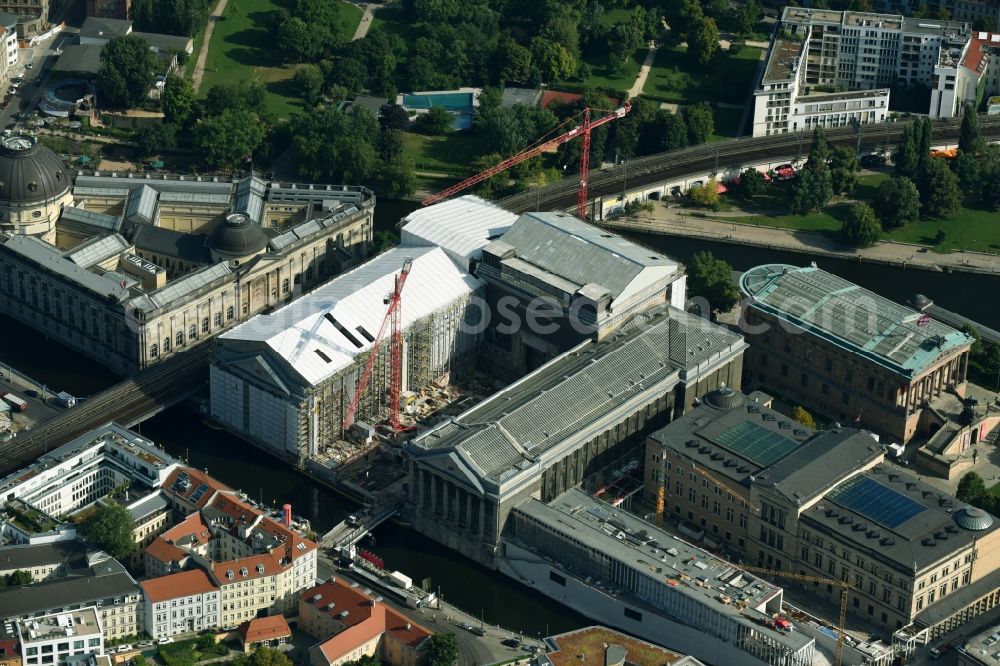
x=393, y=317
x=584, y=130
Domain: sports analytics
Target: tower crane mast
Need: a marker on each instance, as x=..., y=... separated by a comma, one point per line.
x=393, y=320
x=580, y=130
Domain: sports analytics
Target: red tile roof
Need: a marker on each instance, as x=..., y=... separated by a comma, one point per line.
x=8, y=648
x=977, y=58
x=191, y=531
x=268, y=563
x=264, y=629
x=183, y=584
x=197, y=478
x=365, y=619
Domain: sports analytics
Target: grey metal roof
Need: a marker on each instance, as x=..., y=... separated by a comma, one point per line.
x=581, y=253
x=806, y=465
x=95, y=250
x=113, y=192
x=923, y=538
x=166, y=43
x=141, y=205
x=958, y=601
x=160, y=183
x=91, y=218
x=151, y=504
x=159, y=240
x=104, y=579
x=579, y=517
x=310, y=227
x=105, y=28
x=29, y=171
x=82, y=58
x=49, y=258
x=196, y=197
x=510, y=430
x=188, y=284
x=892, y=335
x=73, y=554
x=250, y=193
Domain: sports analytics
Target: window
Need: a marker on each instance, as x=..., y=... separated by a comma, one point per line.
x=192, y=331
x=204, y=325
x=166, y=345
x=229, y=313
x=784, y=370
x=804, y=379
x=556, y=578
x=179, y=339
x=633, y=614
x=218, y=319
x=284, y=286
x=154, y=351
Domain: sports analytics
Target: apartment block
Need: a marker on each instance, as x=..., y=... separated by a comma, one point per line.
x=179, y=603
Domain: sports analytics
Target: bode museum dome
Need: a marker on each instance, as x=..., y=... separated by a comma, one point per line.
x=34, y=187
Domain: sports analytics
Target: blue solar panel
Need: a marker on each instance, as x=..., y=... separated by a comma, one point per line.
x=874, y=501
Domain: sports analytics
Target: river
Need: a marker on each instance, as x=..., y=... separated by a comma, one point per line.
x=461, y=581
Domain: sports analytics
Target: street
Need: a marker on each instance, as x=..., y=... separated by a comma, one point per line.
x=42, y=56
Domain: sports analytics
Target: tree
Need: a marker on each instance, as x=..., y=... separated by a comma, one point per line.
x=393, y=116
x=969, y=140
x=971, y=487
x=516, y=61
x=298, y=41
x=843, y=169
x=367, y=660
x=227, y=140
x=437, y=120
x=127, y=71
x=171, y=17
x=699, y=122
x=552, y=60
x=897, y=202
x=983, y=24
x=712, y=279
x=205, y=642
x=939, y=191
x=925, y=129
x=906, y=154
x=441, y=650
x=308, y=81
x=16, y=578
x=860, y=229
x=804, y=417
x=265, y=656
x=177, y=100
x=706, y=195
x=238, y=95
x=819, y=151
x=752, y=183
x=110, y=528
x=703, y=41
x=152, y=138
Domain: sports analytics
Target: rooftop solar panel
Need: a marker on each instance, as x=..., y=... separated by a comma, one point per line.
x=758, y=444
x=876, y=502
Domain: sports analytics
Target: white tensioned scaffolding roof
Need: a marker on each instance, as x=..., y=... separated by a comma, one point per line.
x=462, y=226
x=321, y=333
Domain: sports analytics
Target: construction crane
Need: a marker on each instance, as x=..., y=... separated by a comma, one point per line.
x=392, y=317
x=842, y=584
x=580, y=130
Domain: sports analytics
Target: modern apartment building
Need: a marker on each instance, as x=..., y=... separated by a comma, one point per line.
x=830, y=68
x=53, y=639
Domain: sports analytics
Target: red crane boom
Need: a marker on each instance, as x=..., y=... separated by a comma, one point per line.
x=580, y=130
x=392, y=316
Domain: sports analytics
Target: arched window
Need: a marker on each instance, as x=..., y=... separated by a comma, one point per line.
x=154, y=351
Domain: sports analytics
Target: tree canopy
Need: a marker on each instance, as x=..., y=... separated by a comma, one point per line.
x=110, y=528
x=171, y=17
x=938, y=187
x=229, y=139
x=970, y=487
x=441, y=650
x=860, y=229
x=800, y=414
x=897, y=202
x=712, y=279
x=127, y=72
x=752, y=183
x=177, y=100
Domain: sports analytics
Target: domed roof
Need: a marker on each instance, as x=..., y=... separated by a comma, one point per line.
x=972, y=518
x=725, y=398
x=237, y=236
x=29, y=172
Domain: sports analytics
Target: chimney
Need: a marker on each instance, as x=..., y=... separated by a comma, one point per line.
x=409, y=626
x=287, y=510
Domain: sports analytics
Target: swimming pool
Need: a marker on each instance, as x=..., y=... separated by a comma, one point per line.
x=454, y=101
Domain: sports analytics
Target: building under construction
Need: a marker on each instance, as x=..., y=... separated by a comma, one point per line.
x=285, y=380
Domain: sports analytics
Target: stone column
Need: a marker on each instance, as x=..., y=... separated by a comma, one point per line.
x=468, y=511
x=434, y=483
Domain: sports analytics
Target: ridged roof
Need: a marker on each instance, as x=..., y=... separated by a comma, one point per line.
x=29, y=172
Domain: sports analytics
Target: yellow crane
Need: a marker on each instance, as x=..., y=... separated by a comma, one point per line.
x=842, y=584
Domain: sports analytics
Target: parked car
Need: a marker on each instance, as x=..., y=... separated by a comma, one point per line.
x=511, y=643
x=873, y=160
x=29, y=65
x=164, y=641
x=784, y=172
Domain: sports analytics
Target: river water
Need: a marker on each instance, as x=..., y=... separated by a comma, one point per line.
x=461, y=581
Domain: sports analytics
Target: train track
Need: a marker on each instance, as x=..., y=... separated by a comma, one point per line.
x=715, y=157
x=162, y=385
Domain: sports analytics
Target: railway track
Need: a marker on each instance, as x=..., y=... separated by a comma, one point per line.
x=161, y=385
x=723, y=155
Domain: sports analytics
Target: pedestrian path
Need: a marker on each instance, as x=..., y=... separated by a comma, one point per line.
x=366, y=22
x=640, y=80
x=199, y=67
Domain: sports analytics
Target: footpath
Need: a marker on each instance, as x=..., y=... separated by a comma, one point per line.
x=681, y=222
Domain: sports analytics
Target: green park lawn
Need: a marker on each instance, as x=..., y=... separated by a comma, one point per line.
x=242, y=49
x=971, y=229
x=674, y=79
x=602, y=75
x=451, y=154
x=995, y=489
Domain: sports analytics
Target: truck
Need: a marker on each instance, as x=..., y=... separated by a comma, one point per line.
x=401, y=580
x=15, y=403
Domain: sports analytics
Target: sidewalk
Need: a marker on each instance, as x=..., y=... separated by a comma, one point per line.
x=199, y=68
x=681, y=222
x=640, y=80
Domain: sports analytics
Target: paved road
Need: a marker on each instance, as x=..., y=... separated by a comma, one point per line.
x=199, y=67
x=679, y=222
x=42, y=56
